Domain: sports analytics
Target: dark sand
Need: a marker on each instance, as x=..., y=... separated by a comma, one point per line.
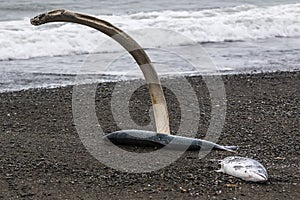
x=42, y=156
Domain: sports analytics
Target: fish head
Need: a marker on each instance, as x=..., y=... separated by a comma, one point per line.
x=258, y=175
x=253, y=173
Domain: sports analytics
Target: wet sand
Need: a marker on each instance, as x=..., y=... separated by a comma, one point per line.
x=42, y=156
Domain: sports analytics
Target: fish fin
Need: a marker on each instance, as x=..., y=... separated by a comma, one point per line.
x=219, y=170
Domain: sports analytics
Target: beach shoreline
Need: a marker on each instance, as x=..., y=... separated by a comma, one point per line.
x=42, y=156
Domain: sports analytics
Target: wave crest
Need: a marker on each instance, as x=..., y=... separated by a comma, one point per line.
x=19, y=40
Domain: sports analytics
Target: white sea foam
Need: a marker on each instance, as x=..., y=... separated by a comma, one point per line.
x=20, y=40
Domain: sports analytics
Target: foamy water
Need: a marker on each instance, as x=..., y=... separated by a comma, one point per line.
x=20, y=40
x=240, y=38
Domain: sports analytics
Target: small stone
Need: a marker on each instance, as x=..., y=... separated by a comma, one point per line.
x=182, y=190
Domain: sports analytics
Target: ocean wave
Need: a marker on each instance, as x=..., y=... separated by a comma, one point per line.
x=20, y=40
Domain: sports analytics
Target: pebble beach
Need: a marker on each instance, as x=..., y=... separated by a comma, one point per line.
x=42, y=156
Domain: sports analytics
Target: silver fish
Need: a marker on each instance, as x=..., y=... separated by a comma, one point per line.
x=245, y=168
x=153, y=139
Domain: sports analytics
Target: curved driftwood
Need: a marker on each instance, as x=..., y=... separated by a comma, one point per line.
x=157, y=96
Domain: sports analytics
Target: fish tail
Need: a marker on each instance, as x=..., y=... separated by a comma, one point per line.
x=228, y=148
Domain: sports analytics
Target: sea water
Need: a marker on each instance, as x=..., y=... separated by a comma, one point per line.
x=239, y=36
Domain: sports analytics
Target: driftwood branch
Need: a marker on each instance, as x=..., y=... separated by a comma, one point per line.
x=157, y=96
